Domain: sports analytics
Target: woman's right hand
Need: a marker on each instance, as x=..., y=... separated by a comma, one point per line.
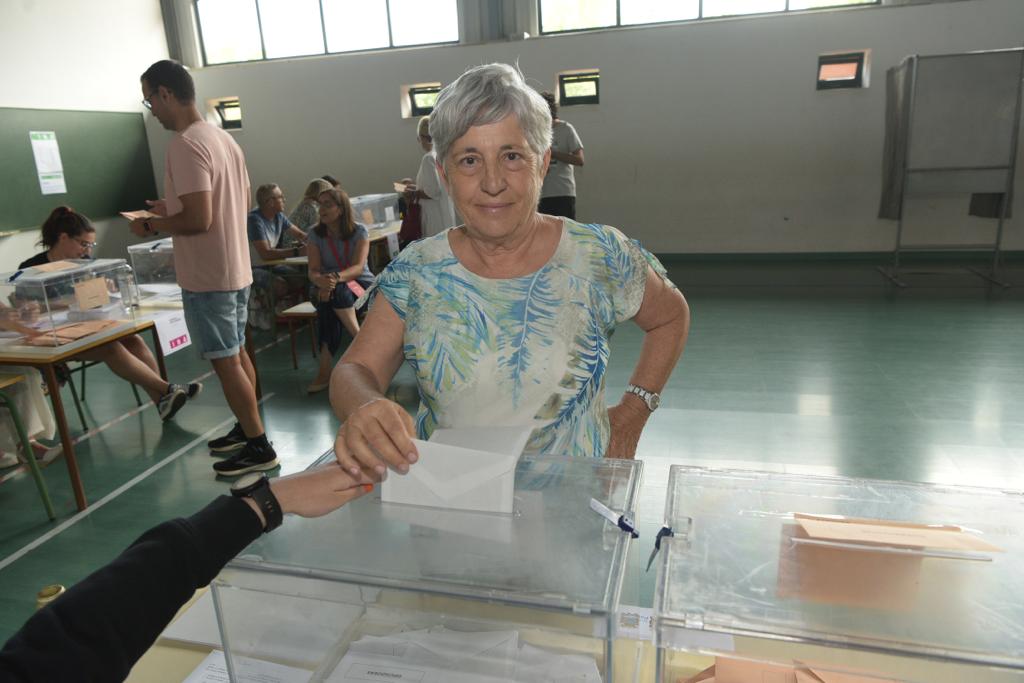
x=376, y=436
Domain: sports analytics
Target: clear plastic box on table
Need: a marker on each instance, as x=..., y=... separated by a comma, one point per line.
x=510, y=591
x=375, y=210
x=742, y=579
x=153, y=262
x=62, y=302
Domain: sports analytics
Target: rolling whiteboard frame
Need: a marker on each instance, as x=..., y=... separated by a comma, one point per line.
x=965, y=175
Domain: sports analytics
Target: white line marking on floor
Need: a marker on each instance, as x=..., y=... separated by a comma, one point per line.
x=18, y=554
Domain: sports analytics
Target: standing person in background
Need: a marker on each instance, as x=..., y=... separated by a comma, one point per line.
x=206, y=199
x=307, y=213
x=437, y=211
x=558, y=194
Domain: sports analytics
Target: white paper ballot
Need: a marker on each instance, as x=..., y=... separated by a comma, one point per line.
x=441, y=655
x=214, y=669
x=453, y=471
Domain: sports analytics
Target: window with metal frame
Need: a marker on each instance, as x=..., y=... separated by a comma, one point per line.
x=559, y=16
x=422, y=99
x=841, y=71
x=229, y=111
x=233, y=31
x=579, y=88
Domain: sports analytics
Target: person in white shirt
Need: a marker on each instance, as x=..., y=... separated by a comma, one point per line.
x=558, y=194
x=437, y=213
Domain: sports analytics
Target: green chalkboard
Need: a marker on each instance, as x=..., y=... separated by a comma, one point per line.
x=107, y=167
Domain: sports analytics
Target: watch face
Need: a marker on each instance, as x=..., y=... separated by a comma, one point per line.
x=246, y=481
x=654, y=402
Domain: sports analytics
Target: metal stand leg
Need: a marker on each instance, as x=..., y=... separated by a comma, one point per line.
x=135, y=390
x=30, y=456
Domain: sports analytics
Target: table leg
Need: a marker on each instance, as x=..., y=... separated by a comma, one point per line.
x=158, y=351
x=53, y=386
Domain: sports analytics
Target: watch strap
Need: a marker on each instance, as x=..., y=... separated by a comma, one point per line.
x=650, y=398
x=265, y=500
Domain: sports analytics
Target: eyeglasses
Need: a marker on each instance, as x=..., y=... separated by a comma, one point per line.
x=147, y=104
x=86, y=244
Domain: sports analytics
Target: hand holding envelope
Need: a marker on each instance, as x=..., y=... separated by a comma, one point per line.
x=376, y=435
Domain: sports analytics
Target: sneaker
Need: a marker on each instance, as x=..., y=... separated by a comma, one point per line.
x=192, y=389
x=171, y=402
x=232, y=441
x=249, y=459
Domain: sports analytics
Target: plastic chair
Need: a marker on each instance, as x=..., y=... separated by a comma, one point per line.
x=7, y=381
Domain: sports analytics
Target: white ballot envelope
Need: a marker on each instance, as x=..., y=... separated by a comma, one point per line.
x=456, y=477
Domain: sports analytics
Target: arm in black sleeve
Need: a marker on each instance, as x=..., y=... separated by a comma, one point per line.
x=100, y=627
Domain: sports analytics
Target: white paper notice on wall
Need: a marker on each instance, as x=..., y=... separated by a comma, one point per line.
x=393, y=245
x=48, y=164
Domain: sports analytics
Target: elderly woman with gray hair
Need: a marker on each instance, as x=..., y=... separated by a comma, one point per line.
x=506, y=319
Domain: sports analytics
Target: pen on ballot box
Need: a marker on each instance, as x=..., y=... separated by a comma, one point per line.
x=621, y=521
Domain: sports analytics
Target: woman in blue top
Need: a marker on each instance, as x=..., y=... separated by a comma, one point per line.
x=338, y=250
x=505, y=320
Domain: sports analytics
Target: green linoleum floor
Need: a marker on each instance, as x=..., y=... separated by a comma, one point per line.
x=801, y=367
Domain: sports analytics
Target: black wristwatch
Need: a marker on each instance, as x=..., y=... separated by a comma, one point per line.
x=257, y=486
x=295, y=251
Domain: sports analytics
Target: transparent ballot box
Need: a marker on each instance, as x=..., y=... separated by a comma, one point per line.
x=153, y=262
x=809, y=579
x=62, y=302
x=383, y=591
x=375, y=210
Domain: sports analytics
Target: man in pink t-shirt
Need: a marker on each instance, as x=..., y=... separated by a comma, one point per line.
x=206, y=200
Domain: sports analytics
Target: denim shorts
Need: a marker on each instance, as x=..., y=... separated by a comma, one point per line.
x=216, y=321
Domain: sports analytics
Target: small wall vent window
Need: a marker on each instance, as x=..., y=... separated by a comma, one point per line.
x=579, y=88
x=229, y=112
x=845, y=70
x=422, y=99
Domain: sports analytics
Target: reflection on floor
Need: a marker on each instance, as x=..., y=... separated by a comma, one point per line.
x=808, y=367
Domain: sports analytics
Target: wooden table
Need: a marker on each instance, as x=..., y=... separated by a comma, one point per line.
x=46, y=358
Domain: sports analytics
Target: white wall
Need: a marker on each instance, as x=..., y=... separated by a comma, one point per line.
x=739, y=153
x=71, y=54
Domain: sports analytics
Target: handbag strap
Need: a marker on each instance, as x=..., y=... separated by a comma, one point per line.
x=334, y=250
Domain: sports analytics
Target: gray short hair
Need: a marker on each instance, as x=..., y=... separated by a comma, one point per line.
x=263, y=193
x=487, y=94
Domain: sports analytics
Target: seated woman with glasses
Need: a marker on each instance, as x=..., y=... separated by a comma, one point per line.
x=67, y=234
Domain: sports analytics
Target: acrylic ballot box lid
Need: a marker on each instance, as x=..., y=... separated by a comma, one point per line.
x=81, y=268
x=553, y=552
x=161, y=245
x=740, y=567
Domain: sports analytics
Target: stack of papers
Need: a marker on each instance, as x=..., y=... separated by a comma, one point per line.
x=441, y=655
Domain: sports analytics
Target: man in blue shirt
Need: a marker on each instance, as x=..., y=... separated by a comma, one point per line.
x=267, y=225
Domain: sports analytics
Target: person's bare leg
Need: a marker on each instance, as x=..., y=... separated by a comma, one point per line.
x=323, y=373
x=347, y=316
x=126, y=366
x=240, y=392
x=248, y=367
x=137, y=346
